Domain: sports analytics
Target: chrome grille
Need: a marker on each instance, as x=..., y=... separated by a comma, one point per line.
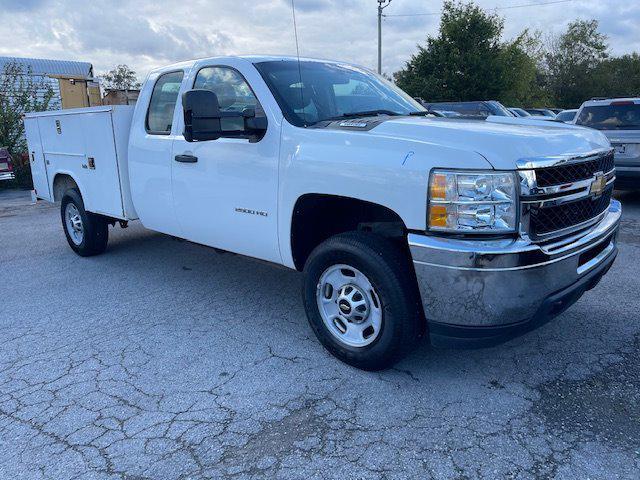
x=572, y=172
x=563, y=195
x=560, y=217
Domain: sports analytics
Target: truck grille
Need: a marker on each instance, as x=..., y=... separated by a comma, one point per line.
x=574, y=172
x=550, y=219
x=561, y=199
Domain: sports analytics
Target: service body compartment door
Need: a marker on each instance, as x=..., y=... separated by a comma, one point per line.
x=36, y=158
x=83, y=147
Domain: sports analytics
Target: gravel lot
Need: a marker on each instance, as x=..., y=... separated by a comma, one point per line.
x=162, y=359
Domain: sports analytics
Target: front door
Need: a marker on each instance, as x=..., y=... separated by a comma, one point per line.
x=225, y=191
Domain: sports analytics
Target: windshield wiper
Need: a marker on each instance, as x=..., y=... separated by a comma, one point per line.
x=424, y=113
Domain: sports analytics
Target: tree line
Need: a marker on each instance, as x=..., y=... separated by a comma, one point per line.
x=469, y=60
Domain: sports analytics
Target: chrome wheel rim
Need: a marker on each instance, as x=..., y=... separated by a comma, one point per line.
x=349, y=305
x=73, y=222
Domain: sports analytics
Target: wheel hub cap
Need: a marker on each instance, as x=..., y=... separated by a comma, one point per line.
x=73, y=222
x=353, y=303
x=349, y=306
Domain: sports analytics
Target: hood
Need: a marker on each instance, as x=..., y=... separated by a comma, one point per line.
x=502, y=141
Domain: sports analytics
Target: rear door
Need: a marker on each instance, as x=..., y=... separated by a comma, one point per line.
x=37, y=160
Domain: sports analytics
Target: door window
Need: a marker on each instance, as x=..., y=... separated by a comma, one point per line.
x=233, y=92
x=163, y=103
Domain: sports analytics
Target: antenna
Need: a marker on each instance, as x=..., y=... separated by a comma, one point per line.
x=295, y=31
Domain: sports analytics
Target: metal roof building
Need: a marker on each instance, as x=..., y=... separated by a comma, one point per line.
x=66, y=78
x=43, y=67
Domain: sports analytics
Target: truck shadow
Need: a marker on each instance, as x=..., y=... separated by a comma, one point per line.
x=270, y=299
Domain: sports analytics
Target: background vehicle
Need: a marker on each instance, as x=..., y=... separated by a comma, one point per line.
x=519, y=112
x=471, y=109
x=567, y=116
x=6, y=165
x=541, y=112
x=619, y=120
x=403, y=223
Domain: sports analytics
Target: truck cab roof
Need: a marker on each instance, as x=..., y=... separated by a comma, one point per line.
x=250, y=58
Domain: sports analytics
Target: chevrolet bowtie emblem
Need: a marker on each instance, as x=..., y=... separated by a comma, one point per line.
x=598, y=184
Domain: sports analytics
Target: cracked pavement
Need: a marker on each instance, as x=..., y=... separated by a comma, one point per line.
x=163, y=359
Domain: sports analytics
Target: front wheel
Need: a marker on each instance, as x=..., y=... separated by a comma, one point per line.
x=86, y=232
x=361, y=299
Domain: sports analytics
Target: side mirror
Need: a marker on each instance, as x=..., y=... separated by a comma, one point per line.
x=204, y=121
x=201, y=115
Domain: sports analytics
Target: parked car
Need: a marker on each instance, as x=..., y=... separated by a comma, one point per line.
x=519, y=112
x=446, y=113
x=471, y=109
x=567, y=116
x=541, y=112
x=619, y=120
x=403, y=223
x=6, y=165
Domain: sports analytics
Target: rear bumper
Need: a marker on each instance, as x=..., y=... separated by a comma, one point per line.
x=7, y=176
x=480, y=292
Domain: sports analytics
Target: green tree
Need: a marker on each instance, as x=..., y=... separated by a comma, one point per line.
x=120, y=78
x=469, y=61
x=573, y=64
x=20, y=93
x=619, y=76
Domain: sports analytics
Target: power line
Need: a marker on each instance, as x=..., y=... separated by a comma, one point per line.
x=496, y=8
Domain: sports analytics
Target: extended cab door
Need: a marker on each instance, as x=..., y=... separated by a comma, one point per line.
x=150, y=151
x=225, y=191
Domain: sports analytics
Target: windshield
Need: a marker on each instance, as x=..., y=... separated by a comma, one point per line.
x=611, y=117
x=329, y=91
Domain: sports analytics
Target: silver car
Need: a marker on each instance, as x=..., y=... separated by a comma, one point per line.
x=567, y=116
x=619, y=120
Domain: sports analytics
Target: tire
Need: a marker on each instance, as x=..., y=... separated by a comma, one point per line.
x=91, y=232
x=387, y=269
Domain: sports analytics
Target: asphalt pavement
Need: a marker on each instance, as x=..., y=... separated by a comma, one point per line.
x=162, y=359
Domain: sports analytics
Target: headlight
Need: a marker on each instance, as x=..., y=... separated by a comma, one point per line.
x=472, y=202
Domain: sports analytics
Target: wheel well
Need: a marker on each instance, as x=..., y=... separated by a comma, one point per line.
x=61, y=183
x=317, y=217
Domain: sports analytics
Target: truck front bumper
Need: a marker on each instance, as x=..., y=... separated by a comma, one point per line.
x=7, y=176
x=482, y=292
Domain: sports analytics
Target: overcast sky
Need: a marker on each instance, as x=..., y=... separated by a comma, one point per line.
x=149, y=33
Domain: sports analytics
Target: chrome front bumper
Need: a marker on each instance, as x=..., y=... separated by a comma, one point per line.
x=483, y=288
x=7, y=176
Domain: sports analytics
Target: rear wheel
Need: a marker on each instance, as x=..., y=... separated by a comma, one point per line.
x=87, y=233
x=361, y=299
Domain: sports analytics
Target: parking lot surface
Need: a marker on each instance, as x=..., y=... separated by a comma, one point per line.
x=162, y=360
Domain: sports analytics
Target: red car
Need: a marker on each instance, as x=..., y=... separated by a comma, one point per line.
x=6, y=165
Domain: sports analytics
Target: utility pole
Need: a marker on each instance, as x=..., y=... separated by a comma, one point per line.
x=382, y=4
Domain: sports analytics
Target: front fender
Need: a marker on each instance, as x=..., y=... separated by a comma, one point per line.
x=379, y=169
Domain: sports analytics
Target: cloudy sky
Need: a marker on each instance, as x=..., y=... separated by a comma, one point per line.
x=149, y=33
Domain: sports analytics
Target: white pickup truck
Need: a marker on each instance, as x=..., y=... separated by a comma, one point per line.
x=404, y=224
